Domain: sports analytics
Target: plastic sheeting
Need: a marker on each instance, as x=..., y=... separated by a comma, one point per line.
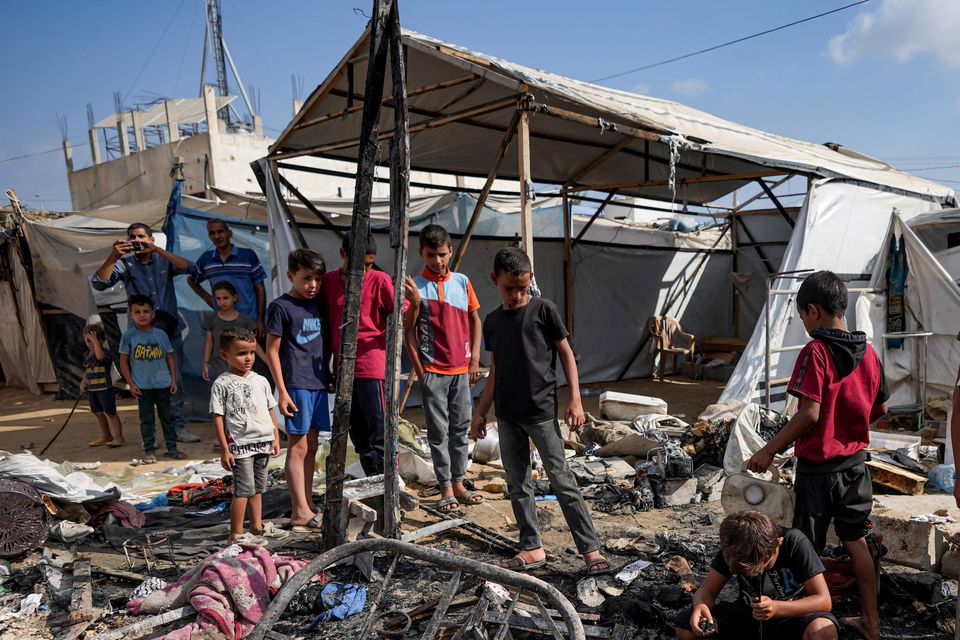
x=23, y=349
x=841, y=227
x=933, y=304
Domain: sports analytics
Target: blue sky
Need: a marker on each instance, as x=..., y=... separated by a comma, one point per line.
x=880, y=78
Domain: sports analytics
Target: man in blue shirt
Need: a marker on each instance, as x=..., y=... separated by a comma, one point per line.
x=240, y=267
x=150, y=272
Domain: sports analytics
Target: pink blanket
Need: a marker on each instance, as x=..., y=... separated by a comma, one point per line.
x=230, y=590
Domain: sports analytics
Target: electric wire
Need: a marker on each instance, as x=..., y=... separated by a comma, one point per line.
x=732, y=42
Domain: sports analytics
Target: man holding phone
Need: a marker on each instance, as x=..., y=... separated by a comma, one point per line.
x=146, y=269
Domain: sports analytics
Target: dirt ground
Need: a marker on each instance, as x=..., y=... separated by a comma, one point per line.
x=27, y=418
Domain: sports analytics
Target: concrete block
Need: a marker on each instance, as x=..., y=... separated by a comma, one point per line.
x=910, y=543
x=707, y=476
x=925, y=586
x=679, y=492
x=714, y=492
x=950, y=564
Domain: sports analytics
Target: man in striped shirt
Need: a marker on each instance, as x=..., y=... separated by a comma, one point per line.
x=240, y=267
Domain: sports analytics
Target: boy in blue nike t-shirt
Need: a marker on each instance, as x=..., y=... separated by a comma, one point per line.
x=295, y=356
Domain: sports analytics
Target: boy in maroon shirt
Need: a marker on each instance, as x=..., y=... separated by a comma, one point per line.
x=367, y=409
x=841, y=389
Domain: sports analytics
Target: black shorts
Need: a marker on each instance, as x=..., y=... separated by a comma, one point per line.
x=735, y=621
x=102, y=402
x=844, y=497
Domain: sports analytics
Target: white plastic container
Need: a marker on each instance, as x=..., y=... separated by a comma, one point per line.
x=626, y=406
x=896, y=441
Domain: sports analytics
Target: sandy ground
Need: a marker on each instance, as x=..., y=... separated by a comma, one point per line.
x=27, y=418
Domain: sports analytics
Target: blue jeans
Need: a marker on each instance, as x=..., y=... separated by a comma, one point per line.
x=177, y=400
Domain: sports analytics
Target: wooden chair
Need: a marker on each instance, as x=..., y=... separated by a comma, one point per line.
x=665, y=331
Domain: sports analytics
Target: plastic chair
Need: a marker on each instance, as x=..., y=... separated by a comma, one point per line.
x=665, y=331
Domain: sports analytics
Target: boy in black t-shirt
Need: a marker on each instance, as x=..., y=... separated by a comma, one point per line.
x=782, y=589
x=525, y=335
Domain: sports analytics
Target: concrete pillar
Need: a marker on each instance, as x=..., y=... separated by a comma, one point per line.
x=213, y=134
x=258, y=125
x=94, y=146
x=137, y=117
x=173, y=127
x=122, y=133
x=297, y=105
x=68, y=155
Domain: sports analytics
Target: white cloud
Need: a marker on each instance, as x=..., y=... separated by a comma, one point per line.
x=642, y=88
x=689, y=88
x=901, y=29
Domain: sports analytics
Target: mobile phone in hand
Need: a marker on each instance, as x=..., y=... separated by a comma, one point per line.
x=136, y=246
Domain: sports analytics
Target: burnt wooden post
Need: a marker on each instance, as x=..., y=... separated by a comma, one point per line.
x=334, y=515
x=399, y=231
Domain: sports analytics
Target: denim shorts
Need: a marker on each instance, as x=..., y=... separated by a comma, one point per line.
x=250, y=475
x=313, y=412
x=102, y=402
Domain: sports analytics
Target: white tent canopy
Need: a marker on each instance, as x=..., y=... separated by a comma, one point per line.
x=461, y=102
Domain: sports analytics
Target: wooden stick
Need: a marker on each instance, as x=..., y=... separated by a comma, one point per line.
x=446, y=84
x=399, y=232
x=568, y=263
x=597, y=123
x=479, y=110
x=526, y=184
x=640, y=184
x=485, y=192
x=334, y=514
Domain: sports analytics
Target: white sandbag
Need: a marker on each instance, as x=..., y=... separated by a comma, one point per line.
x=744, y=440
x=413, y=468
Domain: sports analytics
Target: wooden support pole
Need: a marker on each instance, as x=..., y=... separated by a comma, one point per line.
x=309, y=205
x=399, y=232
x=485, y=192
x=640, y=184
x=595, y=122
x=526, y=185
x=334, y=513
x=776, y=202
x=479, y=110
x=593, y=218
x=567, y=263
x=445, y=84
x=591, y=166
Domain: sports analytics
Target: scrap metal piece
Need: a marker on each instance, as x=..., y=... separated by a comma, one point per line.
x=432, y=529
x=442, y=606
x=376, y=601
x=24, y=520
x=505, y=628
x=143, y=627
x=546, y=616
x=148, y=545
x=442, y=559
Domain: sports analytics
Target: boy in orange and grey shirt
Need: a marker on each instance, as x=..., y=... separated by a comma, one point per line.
x=443, y=341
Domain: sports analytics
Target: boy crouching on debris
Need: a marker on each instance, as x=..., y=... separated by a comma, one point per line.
x=781, y=582
x=840, y=384
x=524, y=336
x=242, y=406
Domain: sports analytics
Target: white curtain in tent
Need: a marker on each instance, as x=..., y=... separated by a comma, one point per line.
x=842, y=228
x=933, y=304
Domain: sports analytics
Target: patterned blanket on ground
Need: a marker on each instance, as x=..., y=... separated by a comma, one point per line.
x=230, y=590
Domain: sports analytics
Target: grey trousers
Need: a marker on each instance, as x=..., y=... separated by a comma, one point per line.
x=515, y=454
x=447, y=408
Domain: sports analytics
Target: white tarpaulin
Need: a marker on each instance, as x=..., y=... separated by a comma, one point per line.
x=932, y=301
x=623, y=275
x=842, y=228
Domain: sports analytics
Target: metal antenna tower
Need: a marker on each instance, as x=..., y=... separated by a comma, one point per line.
x=215, y=45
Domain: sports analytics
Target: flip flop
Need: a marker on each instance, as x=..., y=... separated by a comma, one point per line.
x=313, y=525
x=519, y=563
x=591, y=571
x=448, y=504
x=470, y=498
x=113, y=444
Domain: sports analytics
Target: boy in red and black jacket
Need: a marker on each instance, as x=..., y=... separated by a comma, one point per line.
x=840, y=385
